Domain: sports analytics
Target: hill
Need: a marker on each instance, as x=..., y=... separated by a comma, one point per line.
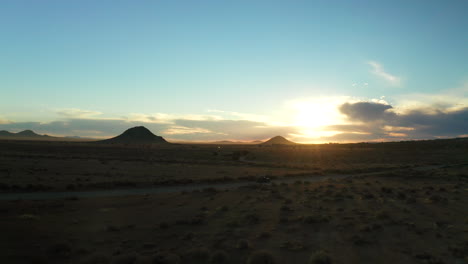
x=26, y=134
x=136, y=135
x=278, y=140
x=4, y=133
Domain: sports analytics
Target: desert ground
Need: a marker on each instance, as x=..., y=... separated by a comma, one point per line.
x=398, y=202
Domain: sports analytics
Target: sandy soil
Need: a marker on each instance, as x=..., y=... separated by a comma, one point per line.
x=404, y=215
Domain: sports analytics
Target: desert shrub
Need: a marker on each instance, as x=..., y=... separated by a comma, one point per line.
x=223, y=208
x=188, y=236
x=252, y=218
x=436, y=198
x=59, y=250
x=401, y=195
x=96, y=259
x=386, y=190
x=38, y=259
x=381, y=214
x=165, y=258
x=264, y=234
x=359, y=240
x=312, y=219
x=197, y=220
x=210, y=190
x=163, y=225
x=261, y=257
x=219, y=257
x=292, y=245
x=242, y=244
x=367, y=196
x=125, y=259
x=198, y=255
x=29, y=217
x=285, y=208
x=4, y=186
x=369, y=227
x=232, y=223
x=112, y=228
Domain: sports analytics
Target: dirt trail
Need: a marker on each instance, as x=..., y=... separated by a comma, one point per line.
x=192, y=187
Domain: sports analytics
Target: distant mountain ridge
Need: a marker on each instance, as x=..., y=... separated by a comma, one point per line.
x=136, y=135
x=278, y=140
x=23, y=134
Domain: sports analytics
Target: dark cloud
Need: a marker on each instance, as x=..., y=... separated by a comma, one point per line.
x=437, y=123
x=366, y=111
x=375, y=121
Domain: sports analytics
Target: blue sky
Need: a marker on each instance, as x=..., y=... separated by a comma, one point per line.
x=276, y=64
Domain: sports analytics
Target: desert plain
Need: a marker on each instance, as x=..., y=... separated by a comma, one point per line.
x=85, y=202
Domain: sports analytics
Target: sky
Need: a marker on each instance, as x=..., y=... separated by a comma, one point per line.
x=312, y=71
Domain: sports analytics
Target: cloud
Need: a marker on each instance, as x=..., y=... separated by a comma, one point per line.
x=445, y=100
x=4, y=121
x=164, y=118
x=378, y=70
x=377, y=121
x=238, y=116
x=366, y=111
x=438, y=123
x=77, y=113
x=181, y=130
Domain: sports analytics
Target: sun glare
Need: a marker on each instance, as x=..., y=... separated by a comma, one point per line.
x=313, y=116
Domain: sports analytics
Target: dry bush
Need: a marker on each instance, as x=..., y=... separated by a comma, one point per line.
x=320, y=257
x=219, y=257
x=59, y=250
x=165, y=258
x=243, y=244
x=261, y=257
x=198, y=255
x=125, y=259
x=96, y=259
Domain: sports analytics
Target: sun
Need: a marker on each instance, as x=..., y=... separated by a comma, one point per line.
x=315, y=116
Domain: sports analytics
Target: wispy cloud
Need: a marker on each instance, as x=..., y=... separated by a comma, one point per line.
x=444, y=100
x=182, y=130
x=4, y=121
x=164, y=118
x=239, y=116
x=378, y=70
x=77, y=113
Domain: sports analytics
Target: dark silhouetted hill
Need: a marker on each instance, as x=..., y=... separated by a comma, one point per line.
x=5, y=133
x=136, y=135
x=278, y=140
x=26, y=134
